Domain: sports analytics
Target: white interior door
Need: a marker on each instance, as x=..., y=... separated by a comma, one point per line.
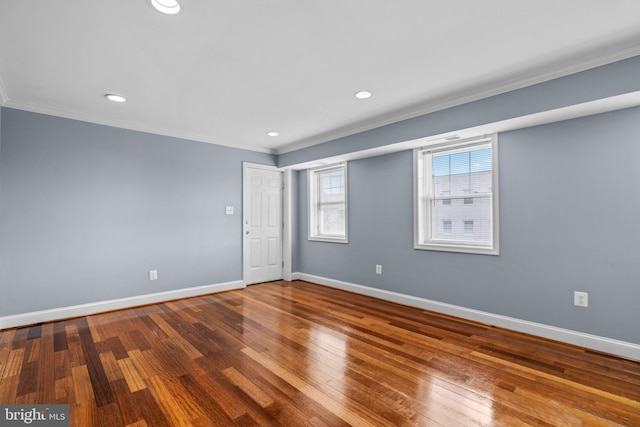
x=262, y=225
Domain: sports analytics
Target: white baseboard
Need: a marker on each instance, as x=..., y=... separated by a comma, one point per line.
x=606, y=345
x=114, y=304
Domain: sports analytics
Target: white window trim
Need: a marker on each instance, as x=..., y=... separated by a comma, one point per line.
x=312, y=192
x=421, y=214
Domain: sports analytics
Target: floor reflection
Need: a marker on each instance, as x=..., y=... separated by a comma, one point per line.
x=447, y=402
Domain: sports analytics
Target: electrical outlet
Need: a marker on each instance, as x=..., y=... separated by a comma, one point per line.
x=378, y=269
x=153, y=274
x=581, y=299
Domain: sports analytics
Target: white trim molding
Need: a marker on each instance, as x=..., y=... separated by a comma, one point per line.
x=130, y=125
x=114, y=304
x=287, y=232
x=607, y=345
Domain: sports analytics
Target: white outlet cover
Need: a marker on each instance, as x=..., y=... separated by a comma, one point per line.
x=228, y=210
x=581, y=299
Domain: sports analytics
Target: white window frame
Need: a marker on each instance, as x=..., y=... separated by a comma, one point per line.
x=422, y=197
x=314, y=203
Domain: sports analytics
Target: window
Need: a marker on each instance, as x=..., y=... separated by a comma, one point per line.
x=468, y=228
x=456, y=196
x=328, y=203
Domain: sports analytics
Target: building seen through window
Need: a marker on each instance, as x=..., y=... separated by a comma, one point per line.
x=460, y=208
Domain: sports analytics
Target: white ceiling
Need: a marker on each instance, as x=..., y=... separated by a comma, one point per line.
x=227, y=72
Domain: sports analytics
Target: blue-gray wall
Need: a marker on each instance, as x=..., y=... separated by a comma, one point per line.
x=568, y=221
x=87, y=210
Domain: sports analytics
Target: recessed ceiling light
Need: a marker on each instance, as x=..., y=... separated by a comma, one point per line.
x=170, y=7
x=363, y=94
x=273, y=133
x=115, y=98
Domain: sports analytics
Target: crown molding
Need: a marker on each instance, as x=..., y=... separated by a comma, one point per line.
x=3, y=94
x=91, y=118
x=571, y=65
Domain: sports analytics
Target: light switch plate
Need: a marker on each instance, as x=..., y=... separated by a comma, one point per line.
x=229, y=210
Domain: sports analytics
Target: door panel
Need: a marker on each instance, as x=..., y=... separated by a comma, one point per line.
x=274, y=215
x=262, y=225
x=272, y=251
x=254, y=253
x=255, y=209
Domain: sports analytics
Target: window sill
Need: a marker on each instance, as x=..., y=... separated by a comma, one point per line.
x=466, y=249
x=328, y=239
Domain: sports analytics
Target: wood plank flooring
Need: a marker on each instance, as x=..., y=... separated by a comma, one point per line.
x=299, y=354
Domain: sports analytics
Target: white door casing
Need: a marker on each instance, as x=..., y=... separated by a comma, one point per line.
x=263, y=226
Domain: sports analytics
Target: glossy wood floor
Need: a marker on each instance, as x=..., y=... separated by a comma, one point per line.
x=299, y=354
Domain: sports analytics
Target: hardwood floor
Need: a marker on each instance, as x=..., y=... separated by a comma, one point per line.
x=294, y=353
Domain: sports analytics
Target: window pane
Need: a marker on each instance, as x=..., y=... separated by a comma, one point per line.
x=458, y=213
x=440, y=166
x=481, y=160
x=468, y=227
x=331, y=220
x=332, y=190
x=459, y=163
x=462, y=173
